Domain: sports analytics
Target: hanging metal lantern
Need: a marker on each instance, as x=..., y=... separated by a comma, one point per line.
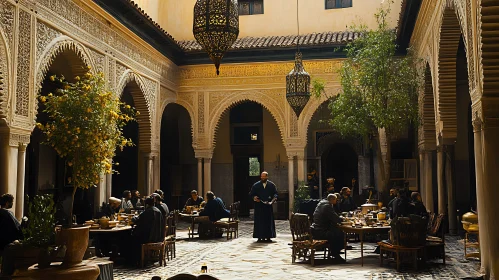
x=298, y=86
x=216, y=27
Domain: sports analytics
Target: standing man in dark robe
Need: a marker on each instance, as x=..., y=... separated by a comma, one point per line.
x=264, y=193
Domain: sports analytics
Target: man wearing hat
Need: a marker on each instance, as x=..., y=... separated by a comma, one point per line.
x=112, y=207
x=158, y=202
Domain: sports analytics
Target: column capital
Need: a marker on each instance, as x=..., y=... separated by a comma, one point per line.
x=205, y=153
x=22, y=147
x=477, y=122
x=16, y=139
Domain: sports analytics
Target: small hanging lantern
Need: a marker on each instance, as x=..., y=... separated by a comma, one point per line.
x=298, y=86
x=216, y=27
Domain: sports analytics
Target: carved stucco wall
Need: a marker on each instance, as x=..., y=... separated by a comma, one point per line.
x=45, y=28
x=211, y=97
x=435, y=38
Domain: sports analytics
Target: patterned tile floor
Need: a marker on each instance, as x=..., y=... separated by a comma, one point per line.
x=242, y=258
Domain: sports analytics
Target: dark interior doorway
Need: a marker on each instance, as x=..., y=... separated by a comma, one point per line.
x=127, y=178
x=340, y=162
x=246, y=121
x=178, y=163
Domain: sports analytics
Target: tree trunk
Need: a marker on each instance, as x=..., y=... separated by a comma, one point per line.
x=70, y=222
x=381, y=165
x=388, y=161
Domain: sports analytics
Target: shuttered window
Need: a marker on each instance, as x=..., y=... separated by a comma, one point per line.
x=338, y=4
x=250, y=7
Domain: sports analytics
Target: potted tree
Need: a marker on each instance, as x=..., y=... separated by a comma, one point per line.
x=39, y=232
x=379, y=97
x=85, y=128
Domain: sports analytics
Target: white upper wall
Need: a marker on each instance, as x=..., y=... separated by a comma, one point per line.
x=279, y=17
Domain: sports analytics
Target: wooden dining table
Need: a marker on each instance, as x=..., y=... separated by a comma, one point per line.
x=361, y=231
x=192, y=218
x=112, y=238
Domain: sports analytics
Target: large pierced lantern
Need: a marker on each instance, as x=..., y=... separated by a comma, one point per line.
x=216, y=26
x=298, y=86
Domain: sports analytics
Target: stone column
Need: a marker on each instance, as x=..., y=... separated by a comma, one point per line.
x=156, y=171
x=149, y=173
x=21, y=168
x=487, y=191
x=207, y=175
x=291, y=184
x=8, y=167
x=302, y=169
x=451, y=199
x=422, y=186
x=109, y=187
x=100, y=193
x=319, y=174
x=428, y=181
x=442, y=207
x=200, y=176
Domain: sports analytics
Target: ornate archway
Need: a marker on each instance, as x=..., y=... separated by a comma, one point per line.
x=49, y=54
x=236, y=98
x=138, y=91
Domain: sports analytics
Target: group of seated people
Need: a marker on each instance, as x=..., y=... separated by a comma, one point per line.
x=344, y=201
x=401, y=205
x=326, y=217
x=213, y=209
x=148, y=227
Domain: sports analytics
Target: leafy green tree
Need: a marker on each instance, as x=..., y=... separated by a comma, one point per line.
x=379, y=90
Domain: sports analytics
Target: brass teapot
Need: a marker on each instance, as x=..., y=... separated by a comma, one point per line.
x=470, y=221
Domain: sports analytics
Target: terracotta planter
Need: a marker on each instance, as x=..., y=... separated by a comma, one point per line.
x=76, y=241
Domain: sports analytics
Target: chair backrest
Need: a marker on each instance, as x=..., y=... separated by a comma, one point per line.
x=436, y=227
x=431, y=220
x=409, y=232
x=300, y=227
x=234, y=211
x=171, y=226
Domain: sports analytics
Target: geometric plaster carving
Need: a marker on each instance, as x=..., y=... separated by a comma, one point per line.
x=23, y=64
x=4, y=89
x=427, y=129
x=450, y=34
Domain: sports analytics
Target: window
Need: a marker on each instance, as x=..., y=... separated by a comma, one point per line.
x=254, y=166
x=250, y=7
x=254, y=137
x=338, y=4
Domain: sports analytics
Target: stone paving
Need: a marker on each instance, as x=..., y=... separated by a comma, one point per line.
x=242, y=258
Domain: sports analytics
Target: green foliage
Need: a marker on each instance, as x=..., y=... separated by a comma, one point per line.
x=379, y=88
x=254, y=167
x=40, y=230
x=301, y=193
x=318, y=87
x=86, y=126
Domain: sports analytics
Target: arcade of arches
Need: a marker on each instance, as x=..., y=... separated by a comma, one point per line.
x=199, y=131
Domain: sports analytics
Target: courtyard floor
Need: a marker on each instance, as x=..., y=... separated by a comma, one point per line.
x=242, y=258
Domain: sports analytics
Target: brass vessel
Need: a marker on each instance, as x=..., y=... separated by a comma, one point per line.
x=470, y=222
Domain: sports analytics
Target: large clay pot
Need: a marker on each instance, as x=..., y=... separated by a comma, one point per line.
x=76, y=241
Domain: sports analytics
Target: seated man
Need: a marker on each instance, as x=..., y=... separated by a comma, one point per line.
x=148, y=229
x=126, y=202
x=10, y=229
x=347, y=204
x=194, y=200
x=325, y=226
x=393, y=199
x=9, y=225
x=136, y=200
x=402, y=206
x=214, y=208
x=418, y=207
x=213, y=211
x=158, y=196
x=111, y=208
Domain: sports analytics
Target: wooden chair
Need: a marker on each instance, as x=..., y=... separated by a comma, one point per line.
x=153, y=251
x=170, y=237
x=435, y=240
x=231, y=224
x=409, y=237
x=304, y=246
